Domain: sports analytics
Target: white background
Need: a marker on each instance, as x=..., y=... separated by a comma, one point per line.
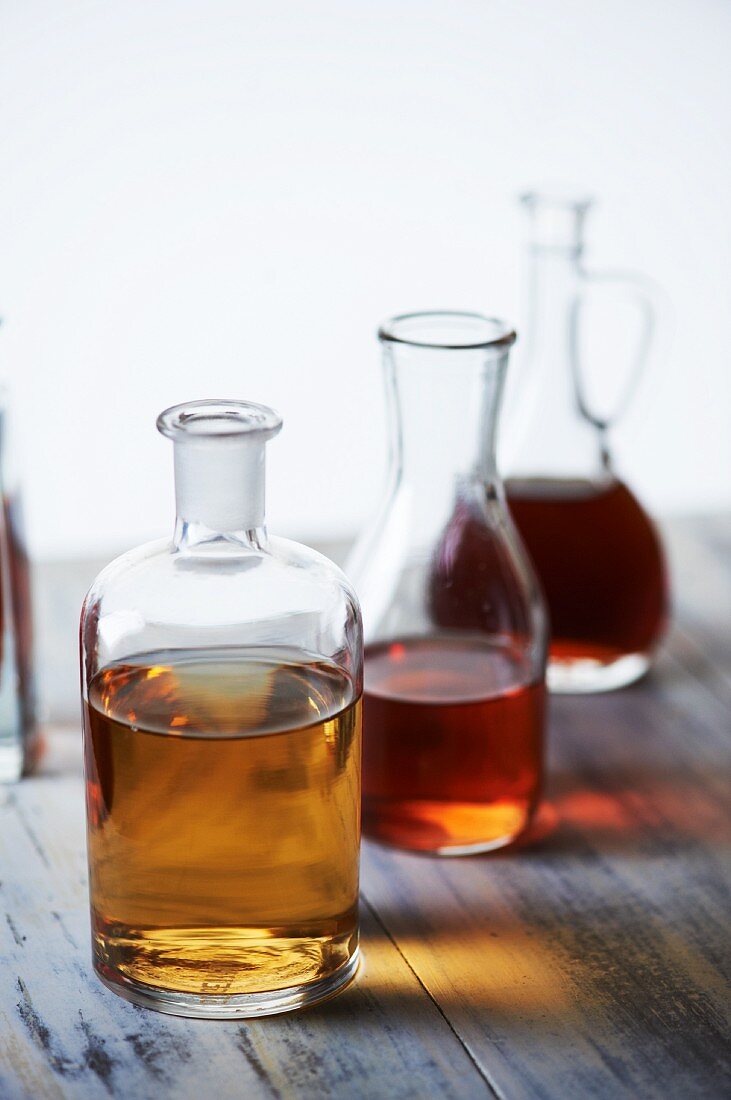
x=213, y=198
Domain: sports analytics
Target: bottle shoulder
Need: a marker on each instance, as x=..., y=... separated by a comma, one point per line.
x=159, y=562
x=120, y=569
x=300, y=556
x=280, y=593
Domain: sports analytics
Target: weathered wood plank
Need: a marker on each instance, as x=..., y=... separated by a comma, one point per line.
x=62, y=1034
x=700, y=559
x=592, y=962
x=596, y=960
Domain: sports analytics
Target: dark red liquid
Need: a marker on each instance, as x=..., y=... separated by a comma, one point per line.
x=15, y=605
x=452, y=744
x=601, y=564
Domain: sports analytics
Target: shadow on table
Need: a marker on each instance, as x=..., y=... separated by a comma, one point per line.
x=640, y=812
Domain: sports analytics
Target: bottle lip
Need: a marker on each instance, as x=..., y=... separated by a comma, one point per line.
x=447, y=329
x=559, y=198
x=218, y=419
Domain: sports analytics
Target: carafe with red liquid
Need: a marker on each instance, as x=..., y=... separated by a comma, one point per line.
x=455, y=626
x=597, y=553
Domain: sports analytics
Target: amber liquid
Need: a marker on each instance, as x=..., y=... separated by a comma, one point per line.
x=601, y=564
x=452, y=746
x=223, y=802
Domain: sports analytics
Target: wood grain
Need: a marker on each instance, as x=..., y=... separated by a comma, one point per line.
x=63, y=1034
x=595, y=962
x=592, y=962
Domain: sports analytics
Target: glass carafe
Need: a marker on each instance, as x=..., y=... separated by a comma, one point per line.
x=597, y=553
x=221, y=681
x=20, y=741
x=454, y=623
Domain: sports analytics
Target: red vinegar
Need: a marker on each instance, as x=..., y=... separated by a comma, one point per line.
x=453, y=744
x=601, y=564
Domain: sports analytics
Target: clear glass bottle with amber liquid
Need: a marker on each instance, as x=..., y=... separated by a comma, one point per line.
x=454, y=621
x=221, y=681
x=596, y=550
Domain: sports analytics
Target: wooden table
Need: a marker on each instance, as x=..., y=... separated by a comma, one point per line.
x=590, y=963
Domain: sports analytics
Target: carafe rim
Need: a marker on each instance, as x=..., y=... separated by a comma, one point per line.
x=462, y=330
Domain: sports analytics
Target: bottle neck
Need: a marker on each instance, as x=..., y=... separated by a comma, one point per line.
x=548, y=434
x=553, y=278
x=444, y=406
x=219, y=491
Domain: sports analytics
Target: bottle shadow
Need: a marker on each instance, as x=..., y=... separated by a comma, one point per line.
x=636, y=814
x=646, y=774
x=631, y=810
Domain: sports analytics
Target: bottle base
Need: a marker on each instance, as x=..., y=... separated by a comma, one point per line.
x=11, y=760
x=591, y=675
x=239, y=1006
x=445, y=828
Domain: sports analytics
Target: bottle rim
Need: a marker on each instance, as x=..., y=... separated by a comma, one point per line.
x=448, y=330
x=558, y=198
x=217, y=418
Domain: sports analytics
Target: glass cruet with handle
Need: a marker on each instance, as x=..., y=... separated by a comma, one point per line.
x=595, y=549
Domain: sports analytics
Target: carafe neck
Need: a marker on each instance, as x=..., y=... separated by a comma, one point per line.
x=548, y=433
x=442, y=426
x=552, y=286
x=555, y=249
x=444, y=380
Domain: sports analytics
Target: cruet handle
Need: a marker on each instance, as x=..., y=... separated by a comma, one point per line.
x=646, y=297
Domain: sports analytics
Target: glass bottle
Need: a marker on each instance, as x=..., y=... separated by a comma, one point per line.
x=454, y=623
x=597, y=553
x=20, y=741
x=221, y=681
